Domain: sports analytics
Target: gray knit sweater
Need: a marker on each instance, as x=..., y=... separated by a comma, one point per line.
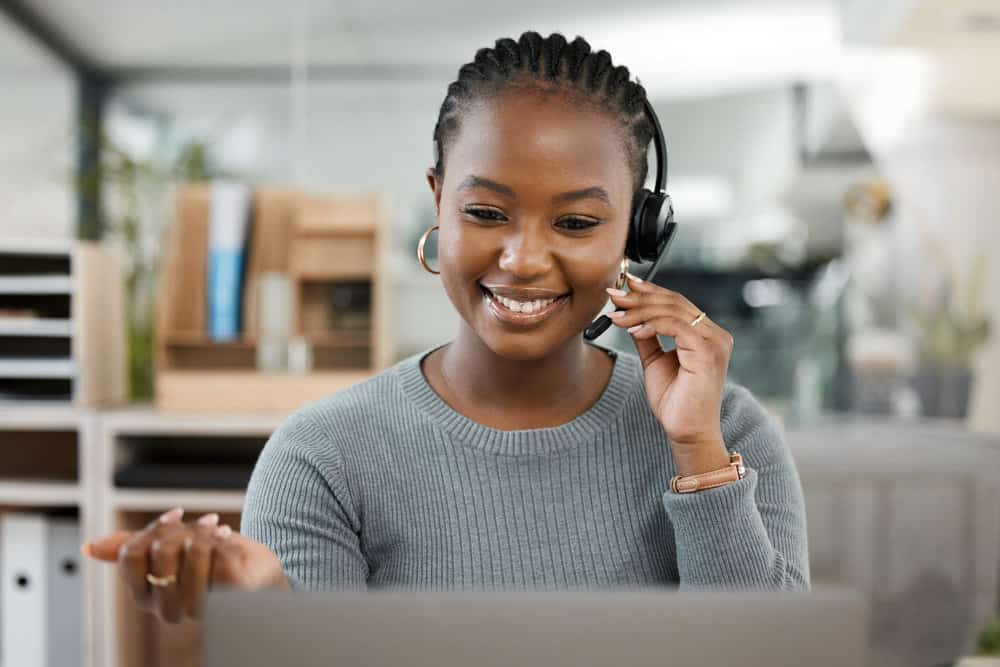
x=384, y=485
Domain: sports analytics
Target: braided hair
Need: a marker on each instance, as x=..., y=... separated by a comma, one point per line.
x=543, y=65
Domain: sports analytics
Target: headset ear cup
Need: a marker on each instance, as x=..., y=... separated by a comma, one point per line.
x=636, y=231
x=651, y=226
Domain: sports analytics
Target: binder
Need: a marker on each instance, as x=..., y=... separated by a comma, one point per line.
x=65, y=593
x=23, y=589
x=228, y=219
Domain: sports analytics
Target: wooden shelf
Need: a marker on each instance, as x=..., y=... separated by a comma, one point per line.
x=249, y=391
x=160, y=500
x=145, y=420
x=323, y=339
x=36, y=285
x=55, y=416
x=36, y=246
x=62, y=369
x=35, y=493
x=35, y=326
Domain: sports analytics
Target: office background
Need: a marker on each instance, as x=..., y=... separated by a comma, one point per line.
x=835, y=169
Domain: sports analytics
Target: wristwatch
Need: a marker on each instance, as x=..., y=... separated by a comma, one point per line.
x=711, y=479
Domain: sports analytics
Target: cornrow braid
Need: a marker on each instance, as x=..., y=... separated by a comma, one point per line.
x=546, y=64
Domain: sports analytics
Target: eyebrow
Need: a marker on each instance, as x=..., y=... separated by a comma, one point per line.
x=593, y=192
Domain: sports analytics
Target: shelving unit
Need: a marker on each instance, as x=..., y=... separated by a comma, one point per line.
x=61, y=325
x=326, y=245
x=46, y=456
x=129, y=637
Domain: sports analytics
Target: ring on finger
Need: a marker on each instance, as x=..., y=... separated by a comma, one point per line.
x=698, y=319
x=161, y=582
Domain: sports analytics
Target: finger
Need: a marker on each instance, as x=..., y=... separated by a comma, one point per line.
x=106, y=548
x=227, y=561
x=196, y=565
x=133, y=564
x=708, y=351
x=133, y=555
x=633, y=316
x=658, y=301
x=165, y=559
x=685, y=337
x=651, y=293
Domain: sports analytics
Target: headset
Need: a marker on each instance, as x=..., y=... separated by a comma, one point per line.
x=652, y=226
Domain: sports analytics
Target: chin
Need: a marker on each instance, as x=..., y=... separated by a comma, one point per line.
x=519, y=347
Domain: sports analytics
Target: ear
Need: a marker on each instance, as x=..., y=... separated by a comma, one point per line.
x=435, y=184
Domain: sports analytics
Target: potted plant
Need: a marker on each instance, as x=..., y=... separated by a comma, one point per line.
x=987, y=648
x=950, y=332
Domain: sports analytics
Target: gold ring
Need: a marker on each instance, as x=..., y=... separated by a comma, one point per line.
x=161, y=582
x=698, y=319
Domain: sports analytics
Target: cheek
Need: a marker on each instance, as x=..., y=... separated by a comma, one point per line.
x=589, y=271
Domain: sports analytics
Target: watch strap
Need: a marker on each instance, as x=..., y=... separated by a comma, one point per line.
x=733, y=472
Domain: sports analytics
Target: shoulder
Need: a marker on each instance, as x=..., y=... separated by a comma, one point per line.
x=322, y=435
x=360, y=411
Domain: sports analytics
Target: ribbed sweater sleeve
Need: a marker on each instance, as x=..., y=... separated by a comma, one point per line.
x=750, y=533
x=298, y=503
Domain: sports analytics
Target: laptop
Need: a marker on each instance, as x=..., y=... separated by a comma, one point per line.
x=826, y=627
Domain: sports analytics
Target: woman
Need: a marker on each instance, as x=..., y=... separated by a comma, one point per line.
x=518, y=454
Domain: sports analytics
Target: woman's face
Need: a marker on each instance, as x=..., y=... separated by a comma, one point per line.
x=534, y=206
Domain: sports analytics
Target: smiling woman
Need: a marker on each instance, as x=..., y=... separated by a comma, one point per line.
x=519, y=454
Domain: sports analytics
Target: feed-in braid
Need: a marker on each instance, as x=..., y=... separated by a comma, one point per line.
x=546, y=65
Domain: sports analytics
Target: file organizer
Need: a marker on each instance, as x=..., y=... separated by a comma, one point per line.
x=24, y=590
x=41, y=591
x=328, y=245
x=62, y=326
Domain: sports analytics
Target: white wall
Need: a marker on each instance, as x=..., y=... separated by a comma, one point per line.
x=37, y=140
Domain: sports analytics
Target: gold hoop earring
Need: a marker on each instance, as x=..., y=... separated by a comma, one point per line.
x=621, y=276
x=420, y=251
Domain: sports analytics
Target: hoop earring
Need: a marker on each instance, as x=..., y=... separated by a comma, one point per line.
x=621, y=276
x=420, y=251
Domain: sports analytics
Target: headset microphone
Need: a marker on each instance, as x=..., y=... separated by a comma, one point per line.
x=651, y=227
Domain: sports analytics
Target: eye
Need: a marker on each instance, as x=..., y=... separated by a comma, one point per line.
x=577, y=224
x=484, y=213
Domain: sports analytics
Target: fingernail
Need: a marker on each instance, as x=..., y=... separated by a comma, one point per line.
x=635, y=278
x=223, y=532
x=615, y=314
x=173, y=515
x=634, y=329
x=209, y=519
x=85, y=549
x=615, y=292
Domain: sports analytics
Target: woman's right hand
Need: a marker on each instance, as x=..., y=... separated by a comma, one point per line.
x=200, y=554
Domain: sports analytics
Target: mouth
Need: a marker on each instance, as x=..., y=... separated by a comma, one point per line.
x=528, y=312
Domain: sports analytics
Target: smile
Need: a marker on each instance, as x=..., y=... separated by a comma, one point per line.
x=512, y=311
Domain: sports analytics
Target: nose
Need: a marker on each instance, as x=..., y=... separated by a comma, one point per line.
x=526, y=254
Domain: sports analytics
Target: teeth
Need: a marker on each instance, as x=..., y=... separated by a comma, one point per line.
x=523, y=306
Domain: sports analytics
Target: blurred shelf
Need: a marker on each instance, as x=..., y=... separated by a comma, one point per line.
x=31, y=326
x=147, y=420
x=39, y=493
x=57, y=284
x=325, y=339
x=36, y=246
x=51, y=416
x=37, y=368
x=249, y=391
x=160, y=500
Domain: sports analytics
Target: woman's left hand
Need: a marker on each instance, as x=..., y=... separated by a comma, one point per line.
x=684, y=386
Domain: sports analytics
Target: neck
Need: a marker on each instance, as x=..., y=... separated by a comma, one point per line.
x=560, y=381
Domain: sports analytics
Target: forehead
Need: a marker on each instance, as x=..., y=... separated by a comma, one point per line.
x=534, y=140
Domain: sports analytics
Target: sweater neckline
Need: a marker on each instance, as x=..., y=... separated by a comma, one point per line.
x=547, y=440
